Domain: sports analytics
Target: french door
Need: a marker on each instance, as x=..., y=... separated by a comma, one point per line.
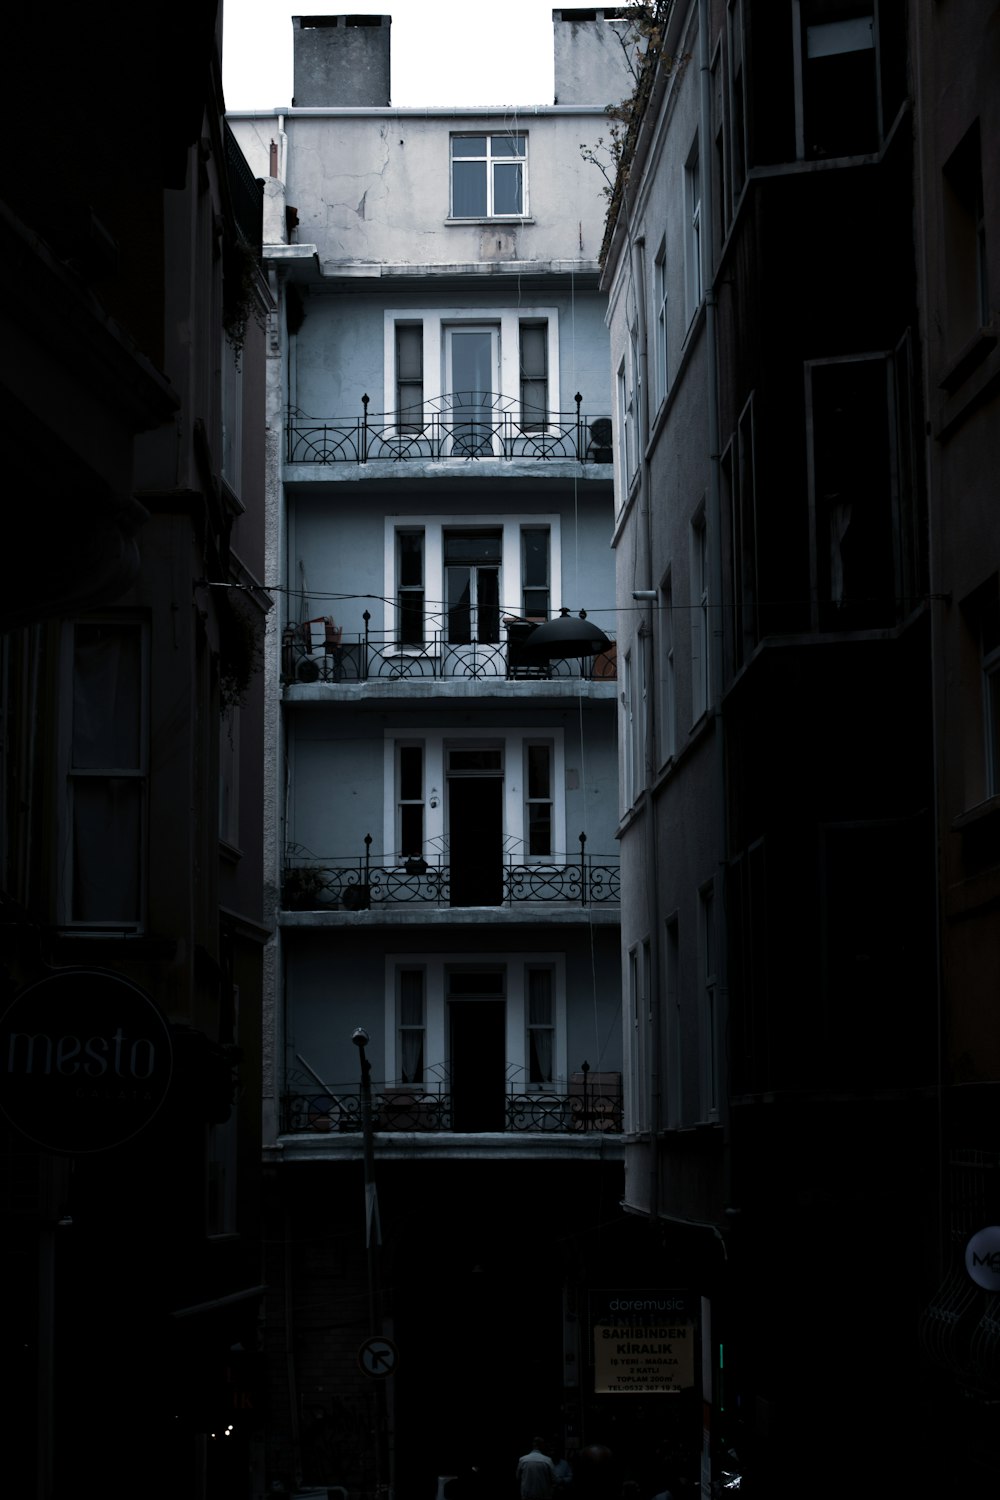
x=472, y=378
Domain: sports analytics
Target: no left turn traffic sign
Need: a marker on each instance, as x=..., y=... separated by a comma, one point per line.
x=377, y=1357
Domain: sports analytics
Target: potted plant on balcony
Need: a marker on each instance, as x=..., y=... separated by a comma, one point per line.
x=304, y=889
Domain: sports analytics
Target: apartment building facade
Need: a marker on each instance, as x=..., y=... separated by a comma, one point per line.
x=444, y=808
x=792, y=650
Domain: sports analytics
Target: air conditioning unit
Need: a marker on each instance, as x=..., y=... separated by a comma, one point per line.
x=307, y=670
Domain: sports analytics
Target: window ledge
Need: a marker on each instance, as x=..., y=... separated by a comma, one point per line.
x=983, y=812
x=968, y=358
x=509, y=219
x=968, y=381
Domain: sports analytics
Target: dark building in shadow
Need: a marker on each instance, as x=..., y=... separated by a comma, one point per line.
x=132, y=613
x=803, y=315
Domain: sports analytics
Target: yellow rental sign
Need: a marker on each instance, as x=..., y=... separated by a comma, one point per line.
x=642, y=1358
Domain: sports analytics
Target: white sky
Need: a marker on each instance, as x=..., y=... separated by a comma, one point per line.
x=444, y=52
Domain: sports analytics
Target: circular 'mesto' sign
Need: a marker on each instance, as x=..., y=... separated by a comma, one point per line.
x=982, y=1258
x=85, y=1061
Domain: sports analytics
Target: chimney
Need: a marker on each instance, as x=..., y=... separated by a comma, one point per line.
x=593, y=47
x=341, y=60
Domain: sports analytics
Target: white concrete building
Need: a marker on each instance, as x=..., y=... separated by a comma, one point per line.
x=444, y=807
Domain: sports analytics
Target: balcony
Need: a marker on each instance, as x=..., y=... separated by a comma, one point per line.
x=334, y=883
x=590, y=1103
x=460, y=427
x=319, y=651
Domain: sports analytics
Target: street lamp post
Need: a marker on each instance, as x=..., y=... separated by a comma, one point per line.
x=373, y=1241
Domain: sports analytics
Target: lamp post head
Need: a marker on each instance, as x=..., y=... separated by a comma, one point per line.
x=360, y=1037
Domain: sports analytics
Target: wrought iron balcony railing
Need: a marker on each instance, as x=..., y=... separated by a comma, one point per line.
x=317, y=883
x=591, y=1104
x=318, y=651
x=460, y=425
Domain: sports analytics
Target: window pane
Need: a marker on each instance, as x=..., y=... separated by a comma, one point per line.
x=488, y=605
x=507, y=145
x=469, y=984
x=411, y=559
x=853, y=486
x=538, y=770
x=507, y=178
x=468, y=145
x=409, y=352
x=106, y=707
x=469, y=190
x=540, y=1058
x=411, y=777
x=107, y=819
x=411, y=829
x=472, y=363
x=459, y=584
x=533, y=350
x=539, y=828
x=410, y=377
x=474, y=760
x=472, y=546
x=540, y=1028
x=831, y=37
x=411, y=618
x=540, y=997
x=536, y=557
x=411, y=997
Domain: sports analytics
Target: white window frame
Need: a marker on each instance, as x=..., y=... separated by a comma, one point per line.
x=75, y=776
x=699, y=614
x=668, y=670
x=536, y=419
x=512, y=741
x=540, y=1085
x=693, y=265
x=400, y=590
x=477, y=572
x=408, y=423
x=438, y=320
x=535, y=743
x=490, y=163
x=628, y=732
x=639, y=1013
x=660, y=301
x=436, y=968
x=403, y=853
x=399, y=970
x=627, y=457
x=535, y=587
x=736, y=133
x=800, y=44
x=433, y=528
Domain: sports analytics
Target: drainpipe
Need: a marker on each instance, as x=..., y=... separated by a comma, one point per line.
x=717, y=657
x=644, y=573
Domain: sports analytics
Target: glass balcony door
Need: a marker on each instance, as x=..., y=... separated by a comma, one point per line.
x=472, y=379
